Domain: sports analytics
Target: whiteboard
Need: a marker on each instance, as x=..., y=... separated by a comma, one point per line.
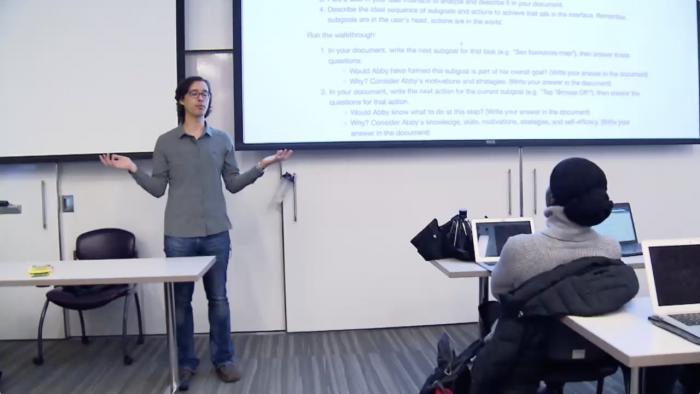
x=81, y=77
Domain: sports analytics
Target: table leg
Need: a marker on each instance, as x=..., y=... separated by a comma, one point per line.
x=171, y=331
x=483, y=297
x=634, y=381
x=483, y=289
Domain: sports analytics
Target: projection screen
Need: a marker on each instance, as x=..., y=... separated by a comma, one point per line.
x=343, y=73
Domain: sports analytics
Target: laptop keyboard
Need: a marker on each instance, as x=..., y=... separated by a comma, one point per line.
x=631, y=249
x=689, y=319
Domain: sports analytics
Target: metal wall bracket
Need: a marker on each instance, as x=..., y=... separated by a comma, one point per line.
x=11, y=209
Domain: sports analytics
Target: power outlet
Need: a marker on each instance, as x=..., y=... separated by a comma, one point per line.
x=67, y=203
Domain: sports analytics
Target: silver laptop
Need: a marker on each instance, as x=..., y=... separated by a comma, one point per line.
x=673, y=273
x=620, y=226
x=490, y=235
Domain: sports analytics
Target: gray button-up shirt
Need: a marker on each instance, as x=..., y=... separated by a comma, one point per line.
x=193, y=169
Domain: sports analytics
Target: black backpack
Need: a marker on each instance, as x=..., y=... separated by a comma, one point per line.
x=452, y=374
x=458, y=241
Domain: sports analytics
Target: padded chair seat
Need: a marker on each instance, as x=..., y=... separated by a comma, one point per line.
x=86, y=297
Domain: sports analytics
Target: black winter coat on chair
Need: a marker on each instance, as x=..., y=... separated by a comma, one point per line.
x=514, y=356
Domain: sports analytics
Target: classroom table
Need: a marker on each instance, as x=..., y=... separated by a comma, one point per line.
x=454, y=268
x=166, y=270
x=629, y=337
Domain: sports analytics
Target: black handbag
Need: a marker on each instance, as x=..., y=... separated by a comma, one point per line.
x=452, y=239
x=430, y=242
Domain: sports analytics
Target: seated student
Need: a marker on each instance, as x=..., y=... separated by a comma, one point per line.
x=577, y=199
x=540, y=277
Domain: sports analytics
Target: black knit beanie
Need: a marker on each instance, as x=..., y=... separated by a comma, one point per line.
x=580, y=186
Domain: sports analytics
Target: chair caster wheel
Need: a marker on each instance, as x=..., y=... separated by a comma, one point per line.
x=38, y=360
x=85, y=340
x=140, y=341
x=128, y=360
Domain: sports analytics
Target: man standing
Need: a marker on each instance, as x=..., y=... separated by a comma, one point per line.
x=192, y=159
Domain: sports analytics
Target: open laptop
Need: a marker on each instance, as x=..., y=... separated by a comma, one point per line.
x=490, y=235
x=620, y=226
x=673, y=273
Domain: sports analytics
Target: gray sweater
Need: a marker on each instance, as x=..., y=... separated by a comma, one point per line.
x=526, y=255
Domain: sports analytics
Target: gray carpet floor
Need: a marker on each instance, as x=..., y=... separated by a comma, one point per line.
x=378, y=361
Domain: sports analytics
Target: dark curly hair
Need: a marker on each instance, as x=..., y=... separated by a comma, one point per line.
x=182, y=89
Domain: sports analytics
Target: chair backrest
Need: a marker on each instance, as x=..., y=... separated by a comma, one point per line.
x=565, y=345
x=105, y=243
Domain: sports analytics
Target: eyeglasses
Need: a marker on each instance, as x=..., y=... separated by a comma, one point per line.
x=195, y=94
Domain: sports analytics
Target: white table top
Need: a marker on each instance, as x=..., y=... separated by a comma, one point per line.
x=454, y=268
x=95, y=272
x=628, y=336
x=634, y=261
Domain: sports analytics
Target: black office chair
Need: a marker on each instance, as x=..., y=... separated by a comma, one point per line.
x=571, y=358
x=106, y=243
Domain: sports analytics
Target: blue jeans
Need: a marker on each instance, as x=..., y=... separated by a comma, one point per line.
x=220, y=344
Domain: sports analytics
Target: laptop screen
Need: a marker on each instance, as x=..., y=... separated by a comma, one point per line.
x=618, y=225
x=676, y=271
x=491, y=236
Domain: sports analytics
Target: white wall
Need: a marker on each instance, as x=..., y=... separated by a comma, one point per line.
x=349, y=260
x=30, y=237
x=208, y=24
x=107, y=198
